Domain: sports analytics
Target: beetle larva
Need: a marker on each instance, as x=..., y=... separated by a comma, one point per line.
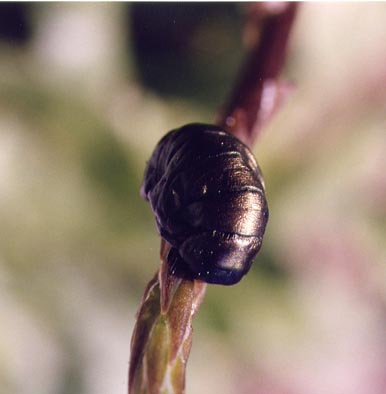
x=207, y=193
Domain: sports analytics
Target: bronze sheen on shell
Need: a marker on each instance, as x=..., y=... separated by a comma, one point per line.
x=207, y=193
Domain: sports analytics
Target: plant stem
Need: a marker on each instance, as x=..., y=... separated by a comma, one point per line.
x=162, y=336
x=258, y=92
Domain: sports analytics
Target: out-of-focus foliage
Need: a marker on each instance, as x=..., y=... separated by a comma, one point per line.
x=84, y=97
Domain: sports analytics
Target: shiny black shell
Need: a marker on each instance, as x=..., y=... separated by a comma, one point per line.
x=207, y=194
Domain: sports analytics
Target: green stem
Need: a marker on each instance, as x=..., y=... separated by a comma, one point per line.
x=162, y=336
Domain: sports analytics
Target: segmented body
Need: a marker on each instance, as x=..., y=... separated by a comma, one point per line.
x=207, y=194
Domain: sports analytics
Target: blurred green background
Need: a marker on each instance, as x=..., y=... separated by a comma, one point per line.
x=86, y=91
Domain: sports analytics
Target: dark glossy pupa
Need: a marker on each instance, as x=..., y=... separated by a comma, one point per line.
x=207, y=194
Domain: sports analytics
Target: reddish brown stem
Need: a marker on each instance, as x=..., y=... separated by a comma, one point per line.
x=258, y=92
